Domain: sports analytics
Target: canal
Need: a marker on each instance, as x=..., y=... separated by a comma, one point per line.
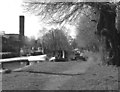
x=13, y=65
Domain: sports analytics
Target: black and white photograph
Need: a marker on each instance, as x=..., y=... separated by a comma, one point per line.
x=60, y=45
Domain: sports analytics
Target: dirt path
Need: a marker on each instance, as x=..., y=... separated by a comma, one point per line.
x=56, y=81
x=63, y=76
x=84, y=78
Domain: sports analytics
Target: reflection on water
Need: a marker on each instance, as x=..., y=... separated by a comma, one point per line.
x=16, y=64
x=12, y=65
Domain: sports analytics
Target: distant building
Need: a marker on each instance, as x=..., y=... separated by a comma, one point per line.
x=13, y=42
x=10, y=43
x=14, y=36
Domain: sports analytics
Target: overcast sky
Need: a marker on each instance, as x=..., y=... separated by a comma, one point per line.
x=10, y=10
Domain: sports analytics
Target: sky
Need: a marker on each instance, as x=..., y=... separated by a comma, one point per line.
x=10, y=10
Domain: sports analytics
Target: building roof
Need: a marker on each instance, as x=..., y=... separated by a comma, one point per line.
x=16, y=36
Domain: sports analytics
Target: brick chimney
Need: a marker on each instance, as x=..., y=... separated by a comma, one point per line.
x=21, y=30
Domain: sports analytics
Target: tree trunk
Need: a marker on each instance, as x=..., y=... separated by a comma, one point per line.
x=107, y=28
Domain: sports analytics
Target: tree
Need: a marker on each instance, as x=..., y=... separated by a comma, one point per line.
x=55, y=41
x=61, y=12
x=107, y=28
x=30, y=42
x=74, y=44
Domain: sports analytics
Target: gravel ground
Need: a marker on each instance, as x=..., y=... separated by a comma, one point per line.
x=23, y=81
x=63, y=76
x=96, y=78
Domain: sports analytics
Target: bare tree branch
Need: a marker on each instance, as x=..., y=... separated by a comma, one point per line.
x=58, y=12
x=63, y=10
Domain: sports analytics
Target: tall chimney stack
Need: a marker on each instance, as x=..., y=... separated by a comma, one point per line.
x=21, y=30
x=21, y=25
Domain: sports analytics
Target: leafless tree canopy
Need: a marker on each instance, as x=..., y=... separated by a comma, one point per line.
x=58, y=12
